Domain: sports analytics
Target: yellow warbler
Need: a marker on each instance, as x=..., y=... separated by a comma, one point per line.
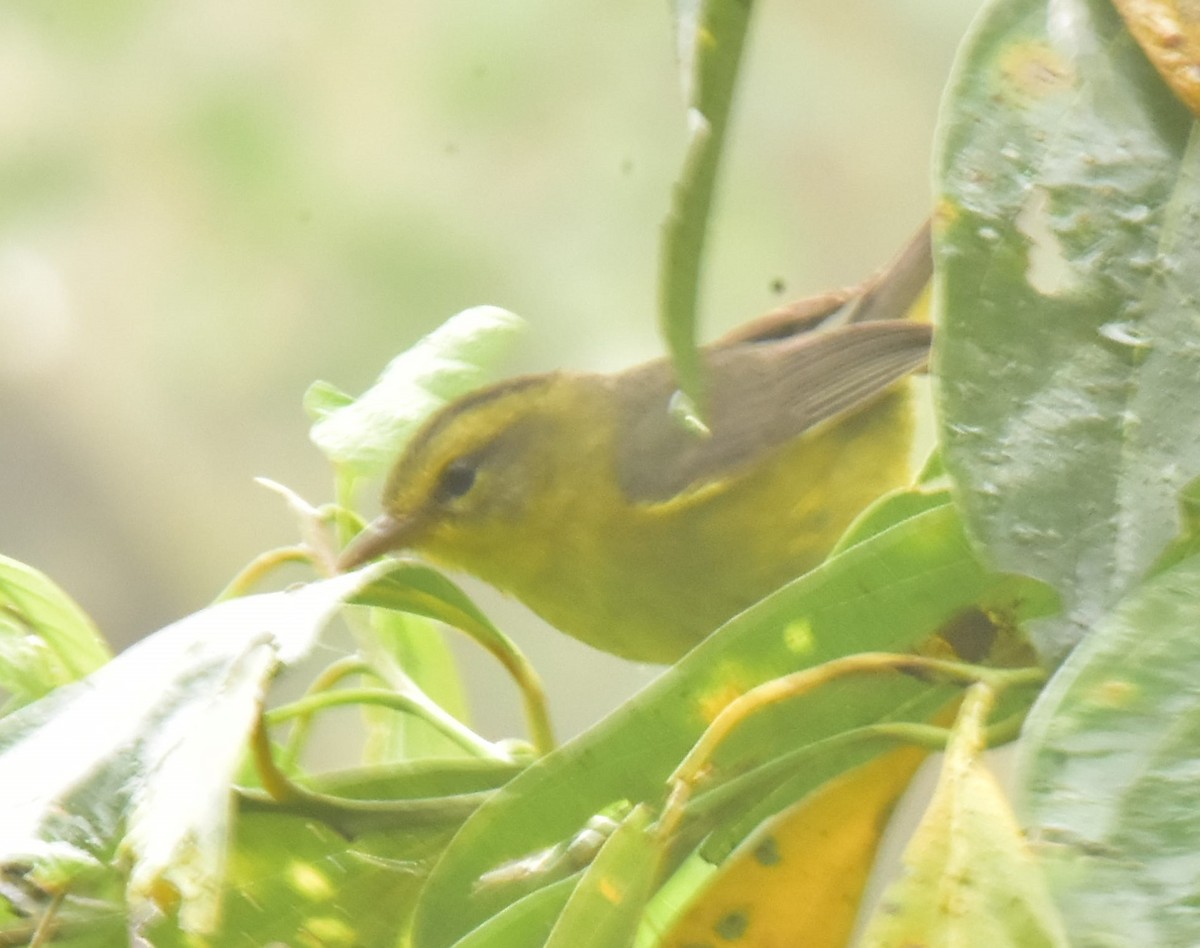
x=581, y=495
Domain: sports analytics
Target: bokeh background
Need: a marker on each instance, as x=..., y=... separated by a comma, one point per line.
x=206, y=204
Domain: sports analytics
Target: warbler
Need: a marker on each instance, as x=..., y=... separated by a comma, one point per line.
x=581, y=495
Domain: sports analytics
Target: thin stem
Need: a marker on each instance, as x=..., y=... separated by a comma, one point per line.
x=350, y=816
x=347, y=816
x=275, y=782
x=759, y=784
x=329, y=677
x=416, y=703
x=690, y=770
x=46, y=924
x=254, y=572
x=503, y=649
x=537, y=712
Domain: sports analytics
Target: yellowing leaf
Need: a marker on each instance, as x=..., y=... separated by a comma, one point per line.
x=799, y=879
x=969, y=876
x=1169, y=33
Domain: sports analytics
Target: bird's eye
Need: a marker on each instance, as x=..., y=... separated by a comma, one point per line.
x=456, y=480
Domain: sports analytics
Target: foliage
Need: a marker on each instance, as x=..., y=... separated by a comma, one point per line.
x=162, y=797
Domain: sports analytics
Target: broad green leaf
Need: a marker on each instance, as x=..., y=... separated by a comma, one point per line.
x=291, y=881
x=888, y=511
x=798, y=879
x=606, y=905
x=139, y=757
x=363, y=436
x=887, y=593
x=969, y=876
x=1110, y=776
x=709, y=36
x=46, y=640
x=1068, y=247
x=526, y=922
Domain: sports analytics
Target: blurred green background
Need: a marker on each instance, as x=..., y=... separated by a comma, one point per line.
x=205, y=205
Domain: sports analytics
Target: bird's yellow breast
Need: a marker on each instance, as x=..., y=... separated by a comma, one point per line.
x=649, y=580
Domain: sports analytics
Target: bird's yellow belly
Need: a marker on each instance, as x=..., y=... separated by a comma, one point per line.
x=650, y=581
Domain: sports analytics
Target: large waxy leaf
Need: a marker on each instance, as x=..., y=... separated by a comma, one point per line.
x=802, y=874
x=1068, y=250
x=138, y=759
x=969, y=877
x=888, y=592
x=1110, y=772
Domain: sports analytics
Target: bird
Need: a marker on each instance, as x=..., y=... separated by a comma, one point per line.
x=582, y=495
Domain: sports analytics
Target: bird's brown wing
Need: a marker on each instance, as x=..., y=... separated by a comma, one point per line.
x=893, y=290
x=774, y=378
x=762, y=394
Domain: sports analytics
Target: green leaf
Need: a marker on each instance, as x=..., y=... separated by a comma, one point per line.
x=74, y=925
x=322, y=399
x=969, y=876
x=1188, y=542
x=710, y=35
x=526, y=922
x=294, y=882
x=1068, y=251
x=140, y=756
x=1110, y=774
x=887, y=593
x=46, y=640
x=887, y=511
x=363, y=436
x=606, y=906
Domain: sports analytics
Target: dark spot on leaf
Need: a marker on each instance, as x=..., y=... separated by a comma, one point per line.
x=733, y=926
x=767, y=852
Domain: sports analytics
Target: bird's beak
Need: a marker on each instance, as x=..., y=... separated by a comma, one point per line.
x=381, y=535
